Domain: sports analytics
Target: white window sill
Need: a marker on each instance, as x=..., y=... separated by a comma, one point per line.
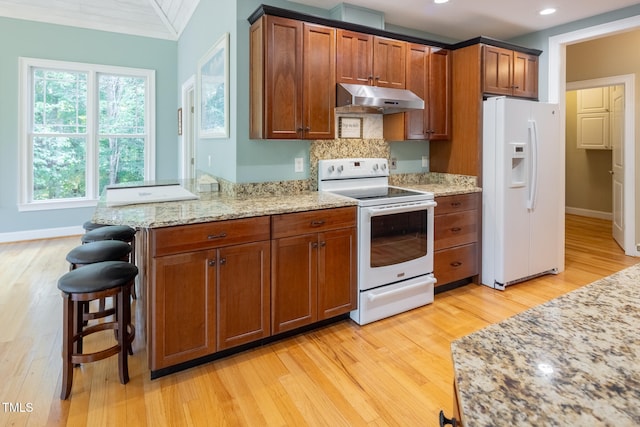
x=57, y=204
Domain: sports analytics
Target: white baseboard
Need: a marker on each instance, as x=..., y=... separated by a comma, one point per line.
x=589, y=213
x=46, y=233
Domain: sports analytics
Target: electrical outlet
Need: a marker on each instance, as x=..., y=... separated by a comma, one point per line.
x=425, y=161
x=299, y=164
x=394, y=163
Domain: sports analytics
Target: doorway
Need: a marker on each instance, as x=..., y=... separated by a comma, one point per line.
x=595, y=156
x=187, y=130
x=556, y=94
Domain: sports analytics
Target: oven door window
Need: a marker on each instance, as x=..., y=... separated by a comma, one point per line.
x=397, y=238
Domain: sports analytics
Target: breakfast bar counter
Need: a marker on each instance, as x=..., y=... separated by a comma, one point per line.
x=574, y=360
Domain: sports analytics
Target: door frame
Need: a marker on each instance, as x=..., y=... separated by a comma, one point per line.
x=628, y=81
x=187, y=139
x=556, y=94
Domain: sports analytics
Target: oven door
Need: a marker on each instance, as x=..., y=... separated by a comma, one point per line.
x=396, y=243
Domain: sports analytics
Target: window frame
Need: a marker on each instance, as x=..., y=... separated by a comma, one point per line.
x=25, y=114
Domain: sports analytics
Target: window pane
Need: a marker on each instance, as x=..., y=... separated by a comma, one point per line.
x=59, y=168
x=121, y=160
x=122, y=105
x=60, y=101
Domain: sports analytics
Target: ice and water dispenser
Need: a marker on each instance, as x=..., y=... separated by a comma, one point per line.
x=518, y=155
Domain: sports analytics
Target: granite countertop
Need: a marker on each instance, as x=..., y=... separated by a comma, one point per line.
x=574, y=360
x=214, y=206
x=257, y=200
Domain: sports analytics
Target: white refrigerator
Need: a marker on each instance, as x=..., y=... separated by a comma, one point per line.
x=522, y=191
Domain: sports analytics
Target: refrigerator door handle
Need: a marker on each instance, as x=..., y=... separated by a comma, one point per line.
x=533, y=182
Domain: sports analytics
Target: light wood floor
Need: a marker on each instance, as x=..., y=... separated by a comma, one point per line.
x=395, y=372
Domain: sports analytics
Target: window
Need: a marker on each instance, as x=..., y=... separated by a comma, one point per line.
x=83, y=127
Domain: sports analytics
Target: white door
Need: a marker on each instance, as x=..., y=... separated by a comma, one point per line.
x=187, y=130
x=617, y=160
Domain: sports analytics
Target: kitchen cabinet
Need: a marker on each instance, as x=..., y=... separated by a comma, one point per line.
x=368, y=59
x=462, y=152
x=456, y=235
x=209, y=288
x=429, y=77
x=593, y=118
x=292, y=82
x=509, y=72
x=313, y=267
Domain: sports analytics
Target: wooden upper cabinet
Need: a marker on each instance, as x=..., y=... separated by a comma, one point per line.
x=525, y=75
x=354, y=57
x=428, y=75
x=319, y=77
x=288, y=59
x=372, y=60
x=389, y=62
x=508, y=72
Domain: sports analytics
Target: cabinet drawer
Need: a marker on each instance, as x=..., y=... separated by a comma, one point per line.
x=455, y=229
x=457, y=203
x=454, y=264
x=186, y=238
x=294, y=224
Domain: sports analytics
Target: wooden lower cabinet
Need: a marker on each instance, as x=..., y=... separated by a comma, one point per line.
x=220, y=285
x=182, y=308
x=208, y=300
x=313, y=275
x=456, y=235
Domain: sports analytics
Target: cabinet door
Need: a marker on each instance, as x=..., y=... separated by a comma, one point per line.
x=243, y=302
x=319, y=92
x=389, y=62
x=525, y=75
x=283, y=78
x=354, y=57
x=439, y=109
x=294, y=272
x=337, y=286
x=416, y=122
x=497, y=71
x=183, y=321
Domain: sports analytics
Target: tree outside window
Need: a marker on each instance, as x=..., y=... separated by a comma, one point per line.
x=87, y=126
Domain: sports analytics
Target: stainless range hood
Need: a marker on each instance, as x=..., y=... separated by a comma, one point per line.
x=352, y=98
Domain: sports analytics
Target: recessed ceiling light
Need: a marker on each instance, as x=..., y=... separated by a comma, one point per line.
x=440, y=1
x=548, y=11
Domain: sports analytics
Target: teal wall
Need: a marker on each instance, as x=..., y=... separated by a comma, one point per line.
x=46, y=41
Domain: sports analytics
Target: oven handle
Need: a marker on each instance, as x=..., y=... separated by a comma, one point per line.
x=400, y=208
x=374, y=296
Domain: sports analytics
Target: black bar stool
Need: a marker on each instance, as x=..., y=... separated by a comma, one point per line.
x=90, y=253
x=124, y=233
x=91, y=282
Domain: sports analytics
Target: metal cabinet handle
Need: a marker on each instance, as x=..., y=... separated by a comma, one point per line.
x=456, y=204
x=323, y=244
x=447, y=421
x=212, y=263
x=216, y=236
x=314, y=245
x=317, y=223
x=223, y=261
x=455, y=264
x=456, y=229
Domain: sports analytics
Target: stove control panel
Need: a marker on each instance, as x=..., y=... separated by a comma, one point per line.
x=352, y=168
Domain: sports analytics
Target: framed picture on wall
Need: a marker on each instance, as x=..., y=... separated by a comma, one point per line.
x=213, y=91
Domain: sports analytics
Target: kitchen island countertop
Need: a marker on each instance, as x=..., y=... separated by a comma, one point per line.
x=574, y=360
x=218, y=206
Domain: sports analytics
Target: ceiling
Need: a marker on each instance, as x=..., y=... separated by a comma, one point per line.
x=465, y=19
x=163, y=19
x=457, y=20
